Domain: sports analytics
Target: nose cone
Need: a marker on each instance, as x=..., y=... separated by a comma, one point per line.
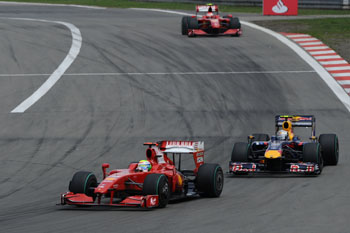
x=215, y=23
x=273, y=154
x=106, y=184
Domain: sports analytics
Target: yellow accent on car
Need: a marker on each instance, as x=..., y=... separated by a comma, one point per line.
x=273, y=154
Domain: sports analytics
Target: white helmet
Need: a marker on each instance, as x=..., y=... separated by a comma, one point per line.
x=282, y=135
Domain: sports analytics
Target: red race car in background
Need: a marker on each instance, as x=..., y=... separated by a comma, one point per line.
x=210, y=23
x=151, y=182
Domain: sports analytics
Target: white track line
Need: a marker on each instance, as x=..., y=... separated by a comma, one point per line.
x=329, y=51
x=310, y=43
x=316, y=48
x=344, y=82
x=322, y=72
x=341, y=74
x=299, y=35
x=327, y=57
x=333, y=62
x=48, y=4
x=57, y=74
x=167, y=73
x=305, y=39
x=338, y=68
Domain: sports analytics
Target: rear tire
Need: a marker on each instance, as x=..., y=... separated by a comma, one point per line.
x=312, y=154
x=184, y=25
x=210, y=180
x=157, y=184
x=83, y=182
x=240, y=152
x=330, y=148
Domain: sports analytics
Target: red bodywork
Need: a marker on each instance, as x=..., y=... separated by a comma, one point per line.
x=212, y=23
x=127, y=184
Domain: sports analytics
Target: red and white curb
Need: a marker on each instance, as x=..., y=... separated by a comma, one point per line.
x=327, y=57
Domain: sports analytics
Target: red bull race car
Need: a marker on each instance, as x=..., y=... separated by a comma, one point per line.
x=151, y=182
x=284, y=152
x=211, y=23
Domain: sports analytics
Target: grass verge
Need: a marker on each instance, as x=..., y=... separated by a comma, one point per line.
x=335, y=32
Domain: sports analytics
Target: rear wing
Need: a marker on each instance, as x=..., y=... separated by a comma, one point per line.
x=206, y=8
x=181, y=147
x=297, y=121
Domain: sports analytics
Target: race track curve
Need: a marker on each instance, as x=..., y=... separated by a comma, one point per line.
x=107, y=104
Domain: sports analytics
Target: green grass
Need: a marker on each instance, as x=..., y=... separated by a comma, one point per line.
x=334, y=32
x=324, y=28
x=176, y=6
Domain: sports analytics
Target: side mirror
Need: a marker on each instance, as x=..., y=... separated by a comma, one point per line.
x=104, y=168
x=230, y=16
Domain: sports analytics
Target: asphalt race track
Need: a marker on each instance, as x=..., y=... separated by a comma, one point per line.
x=106, y=106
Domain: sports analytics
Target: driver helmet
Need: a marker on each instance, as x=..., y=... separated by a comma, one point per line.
x=144, y=166
x=282, y=135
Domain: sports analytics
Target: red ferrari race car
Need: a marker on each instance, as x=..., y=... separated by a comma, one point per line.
x=210, y=23
x=151, y=182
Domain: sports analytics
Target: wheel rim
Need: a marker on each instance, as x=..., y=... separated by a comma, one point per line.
x=163, y=194
x=219, y=182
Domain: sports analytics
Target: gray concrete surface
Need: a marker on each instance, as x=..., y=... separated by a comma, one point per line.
x=87, y=120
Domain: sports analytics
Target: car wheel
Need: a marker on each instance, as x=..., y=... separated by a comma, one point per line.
x=157, y=184
x=261, y=137
x=235, y=23
x=210, y=180
x=83, y=182
x=330, y=148
x=193, y=23
x=240, y=152
x=184, y=25
x=312, y=154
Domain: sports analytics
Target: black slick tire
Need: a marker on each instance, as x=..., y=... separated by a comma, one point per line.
x=184, y=25
x=312, y=154
x=193, y=23
x=210, y=180
x=83, y=182
x=157, y=184
x=235, y=23
x=240, y=152
x=330, y=148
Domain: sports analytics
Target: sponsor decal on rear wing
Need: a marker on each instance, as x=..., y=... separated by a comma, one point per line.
x=296, y=120
x=181, y=146
x=205, y=8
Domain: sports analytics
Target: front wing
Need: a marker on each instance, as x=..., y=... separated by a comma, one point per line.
x=80, y=199
x=296, y=168
x=200, y=32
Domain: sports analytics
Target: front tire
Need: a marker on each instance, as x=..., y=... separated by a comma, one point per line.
x=240, y=152
x=330, y=148
x=184, y=25
x=235, y=23
x=157, y=184
x=83, y=182
x=193, y=23
x=312, y=154
x=210, y=180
